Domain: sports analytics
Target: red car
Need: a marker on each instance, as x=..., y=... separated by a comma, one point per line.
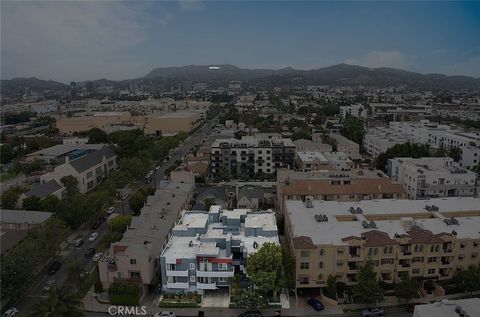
x=96, y=224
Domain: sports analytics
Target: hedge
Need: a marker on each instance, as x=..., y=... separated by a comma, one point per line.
x=124, y=294
x=178, y=305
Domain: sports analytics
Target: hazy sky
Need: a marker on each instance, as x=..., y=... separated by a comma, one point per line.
x=79, y=40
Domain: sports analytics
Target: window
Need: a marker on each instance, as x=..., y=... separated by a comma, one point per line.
x=431, y=259
x=222, y=279
x=192, y=278
x=89, y=174
x=135, y=275
x=222, y=266
x=387, y=261
x=133, y=261
x=320, y=265
x=417, y=259
x=340, y=251
x=431, y=271
x=322, y=252
x=320, y=277
x=339, y=263
x=171, y=267
x=304, y=265
x=304, y=280
x=415, y=271
x=305, y=254
x=192, y=266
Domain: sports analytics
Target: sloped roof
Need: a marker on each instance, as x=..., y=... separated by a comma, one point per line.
x=88, y=161
x=377, y=238
x=44, y=189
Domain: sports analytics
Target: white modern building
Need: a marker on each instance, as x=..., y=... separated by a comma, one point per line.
x=432, y=177
x=339, y=161
x=353, y=110
x=206, y=249
x=311, y=161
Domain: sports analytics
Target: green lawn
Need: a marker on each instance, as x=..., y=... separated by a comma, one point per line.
x=7, y=176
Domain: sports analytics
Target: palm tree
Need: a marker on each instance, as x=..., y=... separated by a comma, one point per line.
x=60, y=303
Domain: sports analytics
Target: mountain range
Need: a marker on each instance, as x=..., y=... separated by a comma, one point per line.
x=337, y=75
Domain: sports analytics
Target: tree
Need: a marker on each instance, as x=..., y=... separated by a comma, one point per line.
x=96, y=135
x=406, y=288
x=9, y=197
x=71, y=185
x=468, y=280
x=331, y=290
x=402, y=150
x=32, y=203
x=137, y=202
x=209, y=202
x=51, y=203
x=7, y=153
x=368, y=289
x=124, y=294
x=353, y=129
x=120, y=223
x=249, y=298
x=455, y=153
x=60, y=302
x=265, y=268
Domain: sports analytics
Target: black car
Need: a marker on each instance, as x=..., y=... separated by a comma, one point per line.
x=54, y=267
x=316, y=304
x=103, y=219
x=251, y=313
x=90, y=252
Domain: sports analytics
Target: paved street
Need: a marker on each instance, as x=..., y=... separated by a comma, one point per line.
x=19, y=180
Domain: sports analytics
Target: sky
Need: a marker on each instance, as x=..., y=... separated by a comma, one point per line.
x=82, y=40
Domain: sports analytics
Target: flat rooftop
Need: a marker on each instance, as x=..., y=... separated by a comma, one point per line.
x=24, y=216
x=307, y=156
x=62, y=149
x=446, y=308
x=392, y=216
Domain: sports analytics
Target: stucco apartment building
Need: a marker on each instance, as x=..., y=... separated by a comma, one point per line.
x=331, y=185
x=135, y=258
x=251, y=156
x=346, y=146
x=171, y=123
x=89, y=169
x=206, y=249
x=428, y=239
x=432, y=177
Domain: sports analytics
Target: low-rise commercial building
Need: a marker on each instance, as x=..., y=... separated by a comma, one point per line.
x=89, y=121
x=426, y=239
x=358, y=111
x=432, y=177
x=311, y=161
x=135, y=258
x=346, y=146
x=171, y=123
x=56, y=154
x=308, y=145
x=250, y=156
x=206, y=249
x=339, y=161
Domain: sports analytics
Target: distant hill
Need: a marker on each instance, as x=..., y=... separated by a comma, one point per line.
x=35, y=84
x=341, y=74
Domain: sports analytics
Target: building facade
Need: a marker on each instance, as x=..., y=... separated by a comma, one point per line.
x=250, y=156
x=432, y=177
x=427, y=239
x=206, y=249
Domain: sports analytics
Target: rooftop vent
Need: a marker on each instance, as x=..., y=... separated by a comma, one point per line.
x=309, y=203
x=255, y=245
x=321, y=218
x=434, y=208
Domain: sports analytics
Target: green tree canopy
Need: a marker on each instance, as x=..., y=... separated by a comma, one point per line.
x=120, y=223
x=368, y=290
x=265, y=268
x=60, y=302
x=96, y=135
x=402, y=150
x=406, y=288
x=71, y=185
x=9, y=197
x=353, y=129
x=32, y=203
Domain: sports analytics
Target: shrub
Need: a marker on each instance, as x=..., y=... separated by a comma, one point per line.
x=124, y=294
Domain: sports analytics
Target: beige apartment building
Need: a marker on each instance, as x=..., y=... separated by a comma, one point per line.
x=86, y=122
x=335, y=185
x=428, y=239
x=135, y=258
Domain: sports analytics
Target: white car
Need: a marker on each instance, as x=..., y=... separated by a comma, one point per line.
x=97, y=257
x=165, y=314
x=93, y=236
x=110, y=210
x=373, y=312
x=124, y=196
x=49, y=286
x=11, y=312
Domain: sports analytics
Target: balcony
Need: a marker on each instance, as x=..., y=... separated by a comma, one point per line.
x=177, y=273
x=206, y=286
x=215, y=273
x=177, y=285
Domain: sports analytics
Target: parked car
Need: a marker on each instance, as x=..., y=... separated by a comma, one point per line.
x=11, y=312
x=93, y=236
x=110, y=210
x=165, y=314
x=96, y=225
x=316, y=304
x=251, y=313
x=48, y=286
x=97, y=257
x=90, y=252
x=54, y=267
x=411, y=307
x=373, y=312
x=76, y=243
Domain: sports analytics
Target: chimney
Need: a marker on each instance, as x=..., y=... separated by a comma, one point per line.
x=67, y=158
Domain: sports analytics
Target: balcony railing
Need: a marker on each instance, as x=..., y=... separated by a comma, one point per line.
x=177, y=285
x=206, y=286
x=215, y=273
x=177, y=273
